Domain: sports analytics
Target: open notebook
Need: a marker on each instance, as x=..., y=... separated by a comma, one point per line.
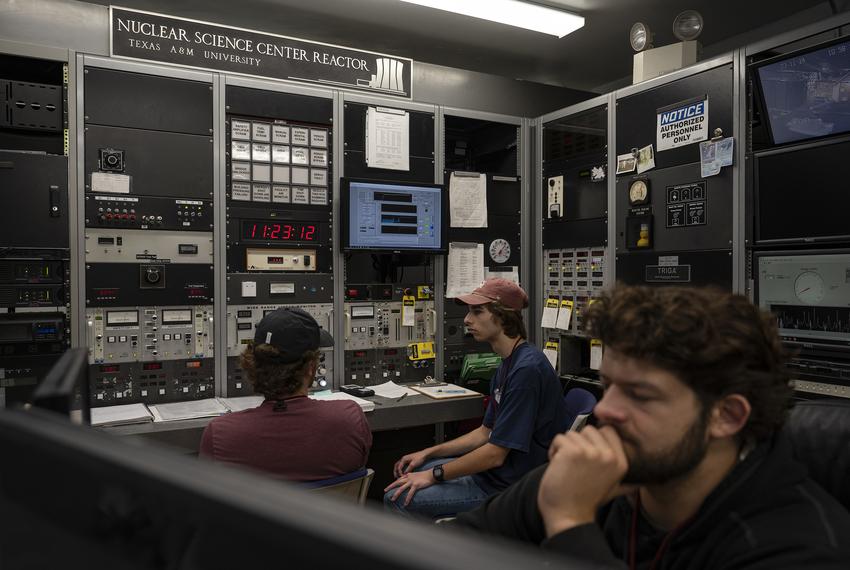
x=365, y=405
x=176, y=411
x=120, y=415
x=210, y=407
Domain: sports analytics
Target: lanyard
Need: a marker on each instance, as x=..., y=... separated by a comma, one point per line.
x=280, y=405
x=505, y=370
x=664, y=543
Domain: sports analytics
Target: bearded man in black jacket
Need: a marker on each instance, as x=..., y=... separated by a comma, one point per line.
x=687, y=467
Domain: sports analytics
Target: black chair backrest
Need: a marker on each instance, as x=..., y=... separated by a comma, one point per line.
x=820, y=434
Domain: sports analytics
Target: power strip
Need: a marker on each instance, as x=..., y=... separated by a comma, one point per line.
x=820, y=388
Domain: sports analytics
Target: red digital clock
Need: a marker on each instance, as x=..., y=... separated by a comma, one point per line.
x=263, y=230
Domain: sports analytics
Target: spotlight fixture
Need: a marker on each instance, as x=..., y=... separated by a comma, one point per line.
x=640, y=37
x=687, y=26
x=649, y=63
x=522, y=14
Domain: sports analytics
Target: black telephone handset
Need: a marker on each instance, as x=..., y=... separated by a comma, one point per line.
x=356, y=390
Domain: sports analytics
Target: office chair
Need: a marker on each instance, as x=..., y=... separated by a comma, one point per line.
x=819, y=431
x=352, y=486
x=580, y=404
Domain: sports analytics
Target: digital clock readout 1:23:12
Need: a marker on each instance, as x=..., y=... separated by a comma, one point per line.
x=279, y=231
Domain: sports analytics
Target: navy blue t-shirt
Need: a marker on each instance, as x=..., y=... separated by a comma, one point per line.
x=525, y=413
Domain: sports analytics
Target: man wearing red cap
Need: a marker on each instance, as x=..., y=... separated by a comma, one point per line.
x=526, y=410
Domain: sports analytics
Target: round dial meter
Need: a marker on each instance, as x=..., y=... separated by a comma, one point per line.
x=638, y=192
x=809, y=287
x=500, y=250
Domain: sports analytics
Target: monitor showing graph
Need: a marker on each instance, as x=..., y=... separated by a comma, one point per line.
x=809, y=293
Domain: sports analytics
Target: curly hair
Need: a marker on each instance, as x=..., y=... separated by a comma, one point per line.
x=510, y=320
x=274, y=379
x=717, y=343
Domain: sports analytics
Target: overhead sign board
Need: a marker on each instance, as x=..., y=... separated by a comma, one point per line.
x=157, y=37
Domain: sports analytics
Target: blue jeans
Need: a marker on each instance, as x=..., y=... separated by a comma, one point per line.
x=441, y=499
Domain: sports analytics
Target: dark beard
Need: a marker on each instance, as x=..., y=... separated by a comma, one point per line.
x=682, y=459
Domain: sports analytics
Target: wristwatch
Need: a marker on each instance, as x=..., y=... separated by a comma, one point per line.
x=438, y=473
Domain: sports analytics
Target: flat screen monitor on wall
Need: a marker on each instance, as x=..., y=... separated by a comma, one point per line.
x=806, y=94
x=393, y=216
x=802, y=194
x=809, y=292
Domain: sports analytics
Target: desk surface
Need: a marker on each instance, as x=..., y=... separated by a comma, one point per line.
x=389, y=414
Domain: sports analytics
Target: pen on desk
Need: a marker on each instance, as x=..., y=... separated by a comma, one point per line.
x=451, y=391
x=403, y=396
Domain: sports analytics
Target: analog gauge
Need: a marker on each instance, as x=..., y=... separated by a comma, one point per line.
x=638, y=192
x=500, y=250
x=809, y=287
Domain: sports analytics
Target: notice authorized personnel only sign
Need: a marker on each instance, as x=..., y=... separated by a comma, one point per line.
x=682, y=124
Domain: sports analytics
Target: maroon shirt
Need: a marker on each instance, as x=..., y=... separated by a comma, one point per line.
x=308, y=441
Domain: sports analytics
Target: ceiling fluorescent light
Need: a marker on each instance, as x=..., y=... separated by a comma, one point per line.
x=513, y=13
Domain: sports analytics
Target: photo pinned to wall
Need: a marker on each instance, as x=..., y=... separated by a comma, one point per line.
x=715, y=154
x=645, y=159
x=626, y=163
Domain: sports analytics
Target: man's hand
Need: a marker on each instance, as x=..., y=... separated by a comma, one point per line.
x=409, y=462
x=412, y=482
x=585, y=469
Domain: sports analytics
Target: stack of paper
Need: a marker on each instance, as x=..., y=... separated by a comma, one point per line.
x=365, y=405
x=187, y=410
x=242, y=402
x=120, y=415
x=391, y=390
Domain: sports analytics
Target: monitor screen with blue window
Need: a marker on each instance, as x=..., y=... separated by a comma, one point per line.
x=393, y=216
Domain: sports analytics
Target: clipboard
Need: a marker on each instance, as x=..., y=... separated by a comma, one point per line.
x=446, y=392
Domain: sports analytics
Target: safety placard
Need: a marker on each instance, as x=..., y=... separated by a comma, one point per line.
x=682, y=124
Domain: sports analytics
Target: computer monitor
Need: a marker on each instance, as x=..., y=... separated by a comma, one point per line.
x=806, y=94
x=65, y=388
x=809, y=292
x=75, y=497
x=393, y=216
x=806, y=202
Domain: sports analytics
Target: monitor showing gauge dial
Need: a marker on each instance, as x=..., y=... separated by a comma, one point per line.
x=809, y=288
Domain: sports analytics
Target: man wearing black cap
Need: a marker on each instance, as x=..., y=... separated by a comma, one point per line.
x=526, y=410
x=289, y=434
